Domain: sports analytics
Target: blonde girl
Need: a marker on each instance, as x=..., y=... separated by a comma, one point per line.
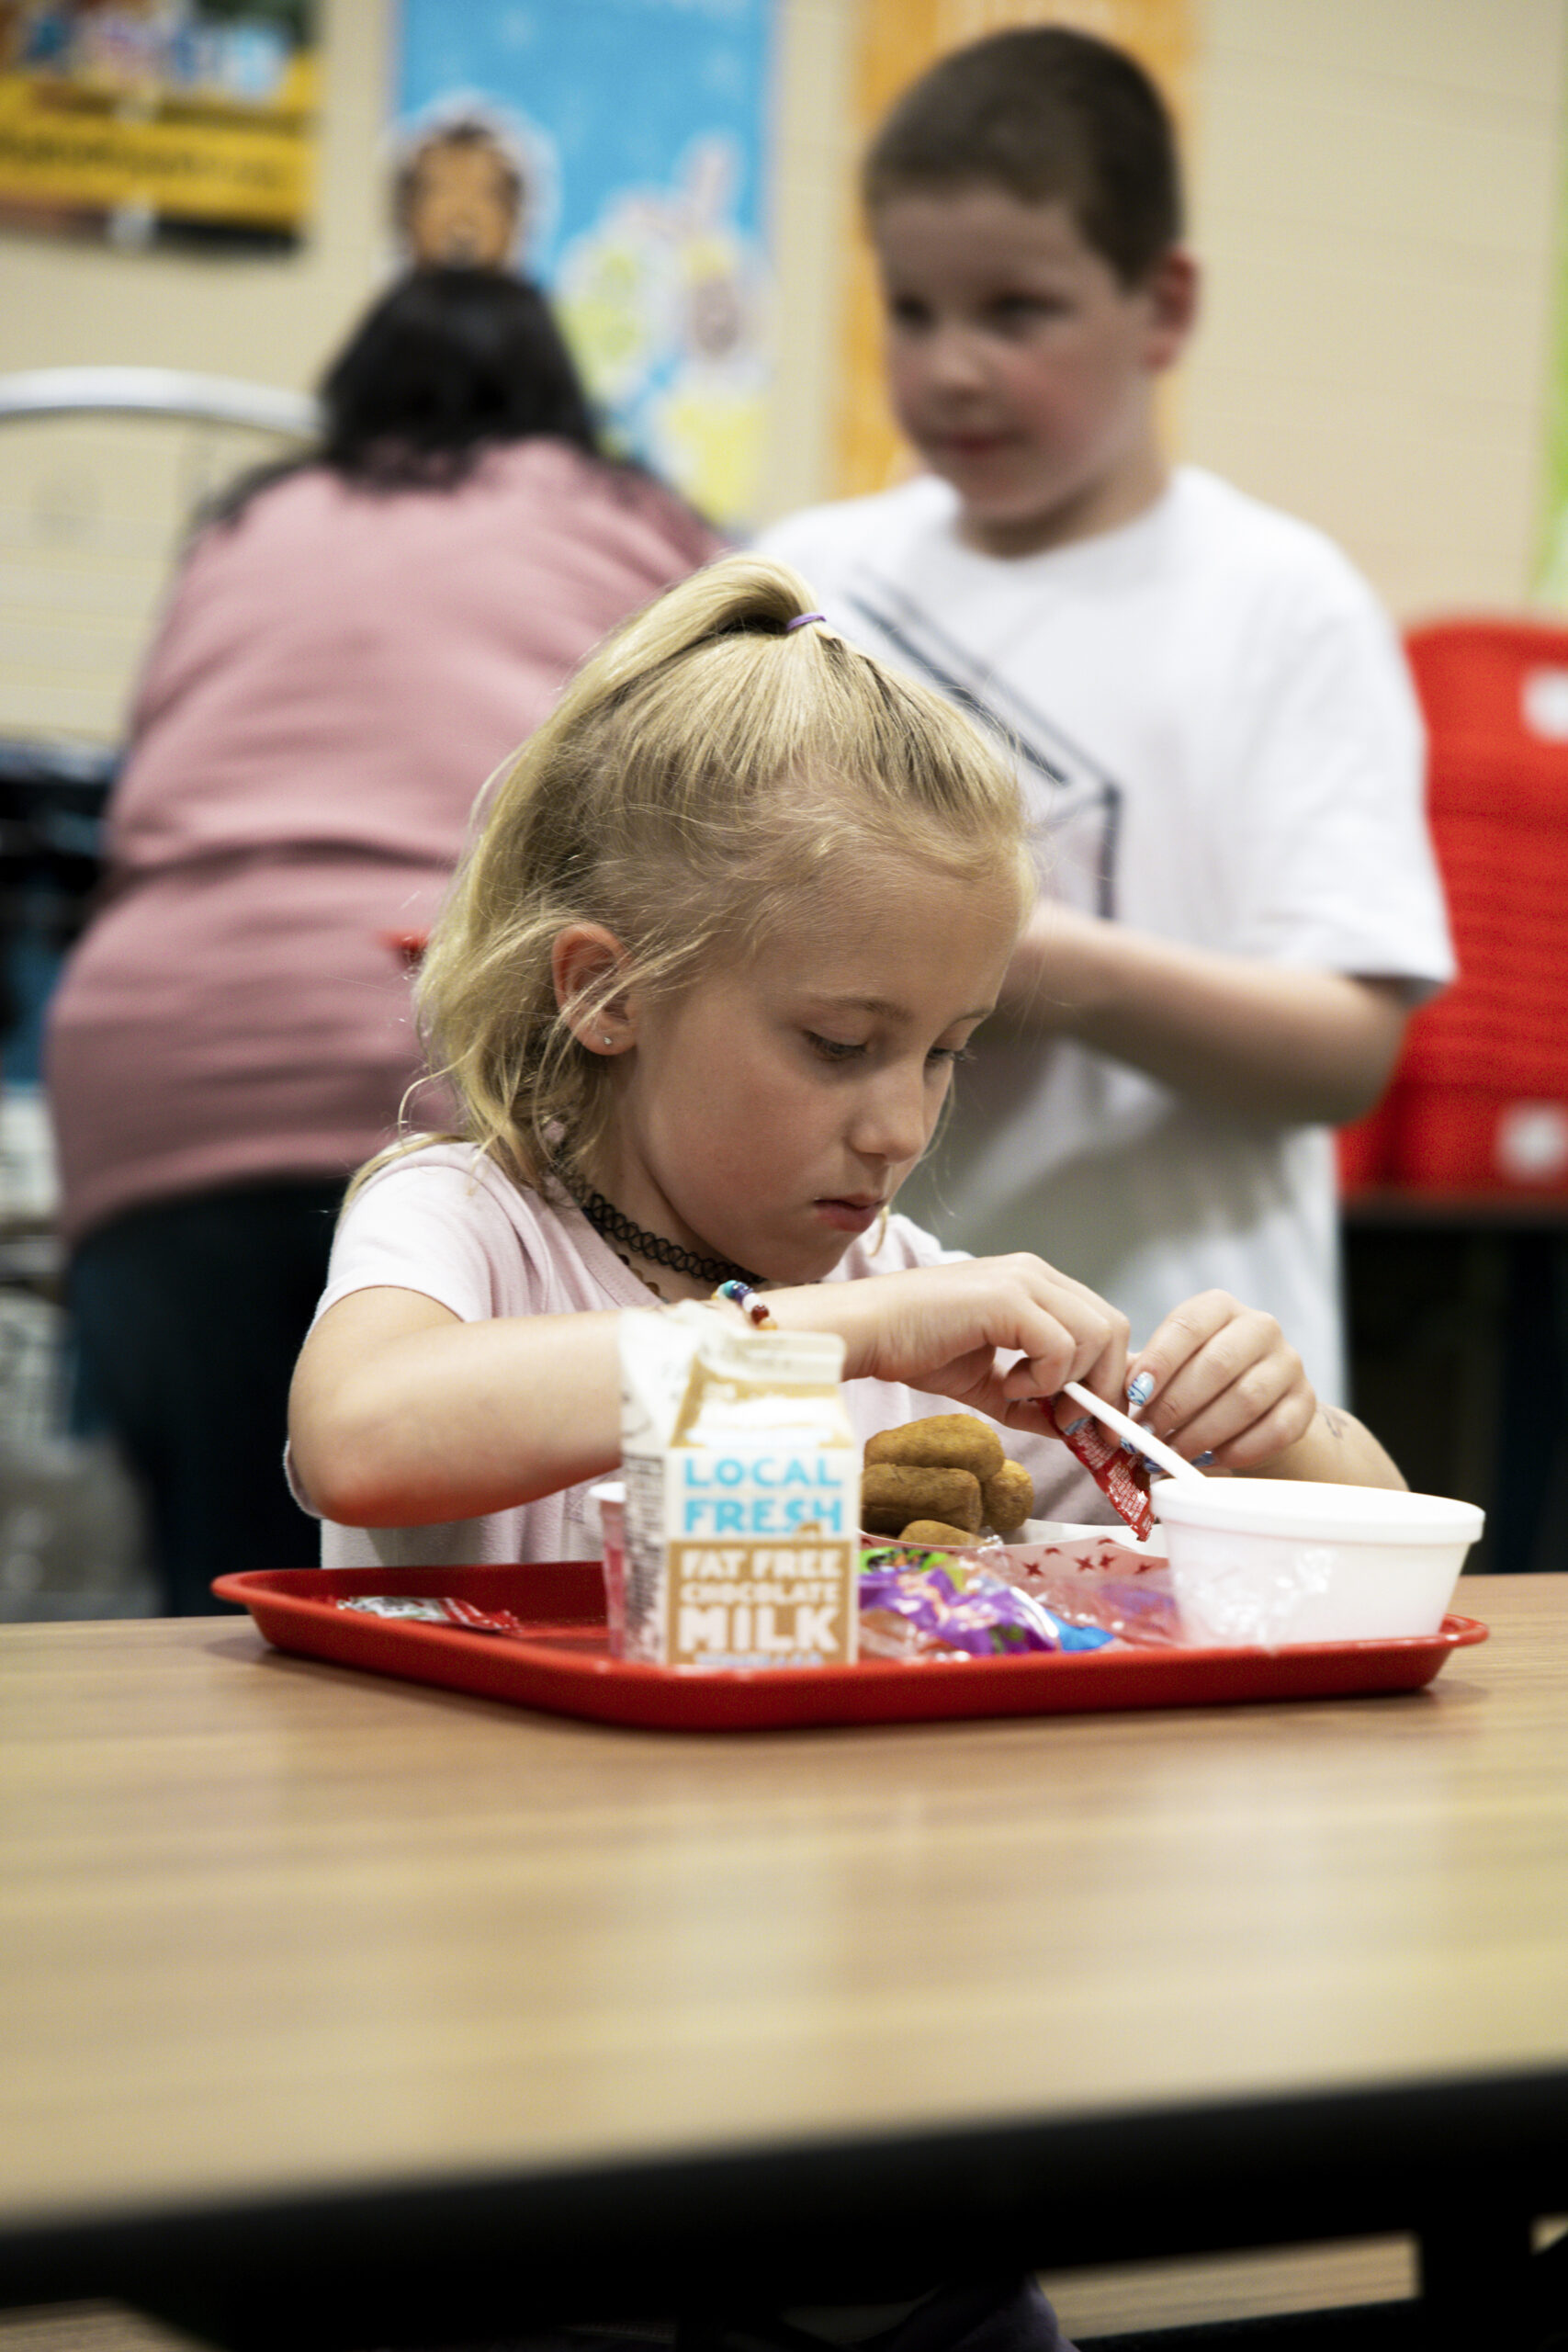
x=735, y=912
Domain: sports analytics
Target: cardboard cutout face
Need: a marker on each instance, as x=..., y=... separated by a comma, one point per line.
x=462, y=208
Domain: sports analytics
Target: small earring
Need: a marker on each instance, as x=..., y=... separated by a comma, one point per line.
x=605, y=1038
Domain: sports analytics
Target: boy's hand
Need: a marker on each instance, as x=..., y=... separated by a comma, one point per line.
x=1221, y=1381
x=998, y=1334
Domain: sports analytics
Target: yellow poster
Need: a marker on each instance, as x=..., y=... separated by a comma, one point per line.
x=158, y=118
x=898, y=39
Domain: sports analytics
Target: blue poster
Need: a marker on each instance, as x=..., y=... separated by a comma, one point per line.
x=640, y=130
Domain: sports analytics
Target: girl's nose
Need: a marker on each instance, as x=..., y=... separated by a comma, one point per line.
x=894, y=1116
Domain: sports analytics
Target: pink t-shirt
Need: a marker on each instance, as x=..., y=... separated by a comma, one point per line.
x=446, y=1222
x=337, y=675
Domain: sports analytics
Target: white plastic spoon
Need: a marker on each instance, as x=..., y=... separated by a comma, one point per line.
x=1125, y=1426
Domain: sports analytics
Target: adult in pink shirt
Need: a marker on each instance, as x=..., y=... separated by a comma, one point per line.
x=354, y=643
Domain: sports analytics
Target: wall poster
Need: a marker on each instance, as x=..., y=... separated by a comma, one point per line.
x=192, y=121
x=639, y=130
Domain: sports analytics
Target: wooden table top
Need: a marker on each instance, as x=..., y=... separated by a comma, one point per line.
x=267, y=1923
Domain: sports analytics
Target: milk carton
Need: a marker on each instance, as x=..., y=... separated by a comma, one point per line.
x=742, y=1494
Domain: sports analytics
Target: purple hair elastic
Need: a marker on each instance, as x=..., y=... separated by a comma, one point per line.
x=800, y=620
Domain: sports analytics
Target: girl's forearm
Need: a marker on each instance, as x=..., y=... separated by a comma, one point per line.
x=403, y=1419
x=1271, y=1039
x=403, y=1416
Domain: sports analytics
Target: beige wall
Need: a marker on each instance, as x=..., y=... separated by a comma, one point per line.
x=1375, y=196
x=1376, y=188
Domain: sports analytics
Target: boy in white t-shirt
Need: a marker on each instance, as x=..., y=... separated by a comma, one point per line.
x=1211, y=712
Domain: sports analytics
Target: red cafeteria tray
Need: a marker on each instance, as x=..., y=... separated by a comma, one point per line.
x=565, y=1665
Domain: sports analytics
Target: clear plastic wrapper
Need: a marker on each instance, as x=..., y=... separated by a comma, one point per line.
x=433, y=1608
x=1140, y=1609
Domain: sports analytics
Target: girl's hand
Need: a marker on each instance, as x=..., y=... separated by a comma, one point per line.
x=998, y=1334
x=1221, y=1382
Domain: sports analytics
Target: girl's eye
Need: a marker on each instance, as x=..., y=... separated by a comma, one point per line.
x=950, y=1054
x=832, y=1049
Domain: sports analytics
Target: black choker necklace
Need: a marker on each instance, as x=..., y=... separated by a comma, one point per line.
x=606, y=1219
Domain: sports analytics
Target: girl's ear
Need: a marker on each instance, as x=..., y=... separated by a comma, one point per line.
x=584, y=959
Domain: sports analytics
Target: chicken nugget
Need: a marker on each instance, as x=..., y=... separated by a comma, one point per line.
x=1007, y=1498
x=941, y=1441
x=893, y=1493
x=935, y=1534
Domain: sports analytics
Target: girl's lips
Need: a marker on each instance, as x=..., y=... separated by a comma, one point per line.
x=849, y=1215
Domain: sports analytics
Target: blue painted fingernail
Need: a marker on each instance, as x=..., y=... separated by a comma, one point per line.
x=1072, y=1428
x=1140, y=1388
x=1202, y=1461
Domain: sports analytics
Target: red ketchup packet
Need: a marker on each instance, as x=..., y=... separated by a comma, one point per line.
x=1123, y=1482
x=433, y=1608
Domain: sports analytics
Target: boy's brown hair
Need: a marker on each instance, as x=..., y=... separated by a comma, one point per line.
x=1044, y=113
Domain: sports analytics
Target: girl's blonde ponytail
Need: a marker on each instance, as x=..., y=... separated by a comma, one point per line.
x=706, y=765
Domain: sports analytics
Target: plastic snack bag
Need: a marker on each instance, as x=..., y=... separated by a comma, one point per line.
x=919, y=1605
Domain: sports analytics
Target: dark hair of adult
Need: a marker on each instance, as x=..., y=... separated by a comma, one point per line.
x=447, y=363
x=1045, y=113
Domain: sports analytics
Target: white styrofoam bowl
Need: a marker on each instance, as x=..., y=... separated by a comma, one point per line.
x=1278, y=1560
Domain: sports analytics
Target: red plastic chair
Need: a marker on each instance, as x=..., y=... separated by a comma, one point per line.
x=1478, y=1105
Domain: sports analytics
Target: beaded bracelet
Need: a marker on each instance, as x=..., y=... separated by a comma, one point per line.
x=752, y=1305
